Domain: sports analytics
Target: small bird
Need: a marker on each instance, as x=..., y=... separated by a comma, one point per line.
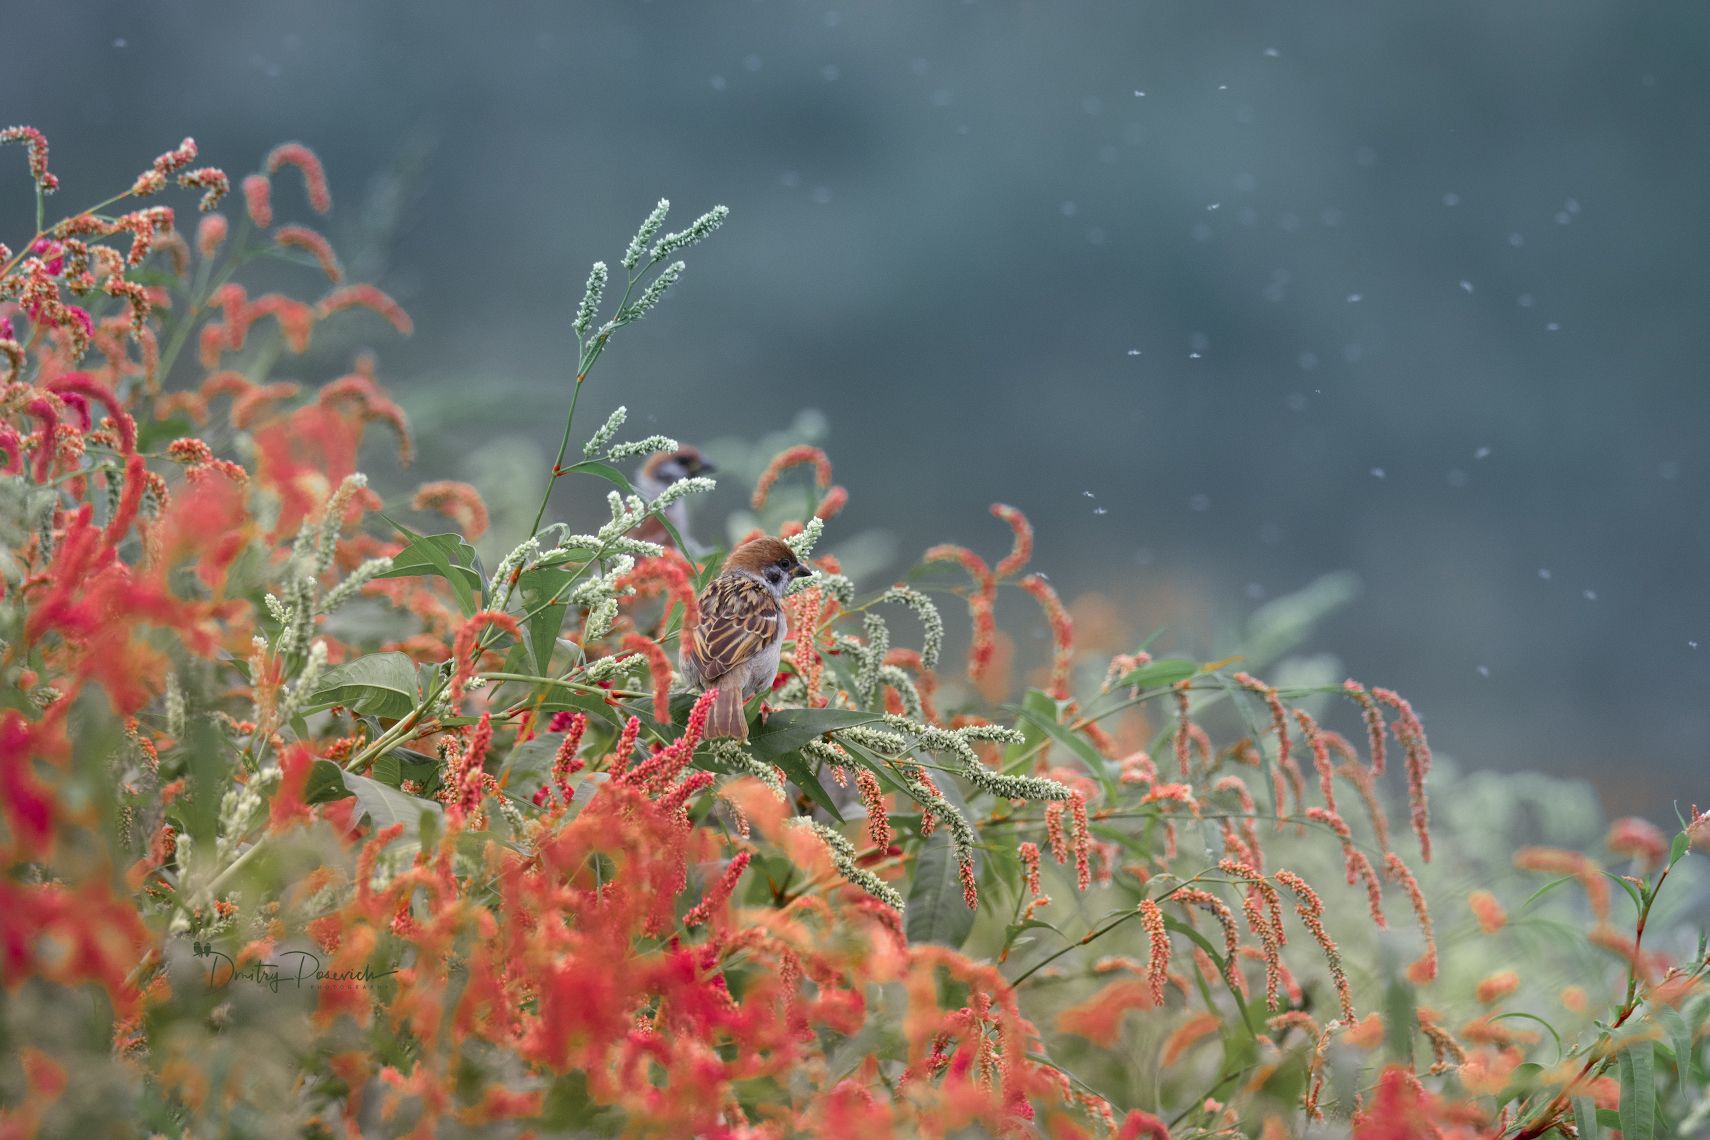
x=735, y=646
x=662, y=469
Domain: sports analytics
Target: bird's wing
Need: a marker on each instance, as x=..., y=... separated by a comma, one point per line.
x=739, y=618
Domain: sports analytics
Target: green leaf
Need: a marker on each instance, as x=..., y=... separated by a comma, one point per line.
x=446, y=555
x=326, y=783
x=1680, y=1041
x=1585, y=1118
x=1632, y=891
x=796, y=768
x=788, y=729
x=380, y=684
x=389, y=770
x=529, y=764
x=936, y=910
x=540, y=589
x=1400, y=1015
x=1638, y=1091
x=1159, y=674
x=1677, y=849
x=386, y=806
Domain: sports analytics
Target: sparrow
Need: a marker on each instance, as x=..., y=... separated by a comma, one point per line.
x=662, y=469
x=735, y=646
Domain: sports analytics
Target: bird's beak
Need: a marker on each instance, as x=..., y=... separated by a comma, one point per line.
x=802, y=571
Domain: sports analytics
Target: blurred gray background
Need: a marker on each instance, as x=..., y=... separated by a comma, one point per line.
x=1225, y=296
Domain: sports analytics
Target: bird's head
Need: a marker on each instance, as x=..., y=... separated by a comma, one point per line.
x=770, y=560
x=664, y=468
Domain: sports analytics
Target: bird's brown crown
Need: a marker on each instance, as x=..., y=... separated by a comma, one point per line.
x=762, y=553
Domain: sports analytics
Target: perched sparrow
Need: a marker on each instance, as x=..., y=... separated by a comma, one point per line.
x=662, y=469
x=735, y=646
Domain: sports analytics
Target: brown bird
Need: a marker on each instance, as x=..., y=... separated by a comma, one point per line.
x=662, y=469
x=735, y=646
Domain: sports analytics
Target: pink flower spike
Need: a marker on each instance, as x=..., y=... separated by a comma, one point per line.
x=303, y=238
x=258, y=200
x=211, y=181
x=37, y=145
x=314, y=176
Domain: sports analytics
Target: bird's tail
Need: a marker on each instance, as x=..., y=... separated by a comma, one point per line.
x=726, y=717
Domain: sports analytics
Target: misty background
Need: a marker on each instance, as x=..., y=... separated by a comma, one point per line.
x=1225, y=297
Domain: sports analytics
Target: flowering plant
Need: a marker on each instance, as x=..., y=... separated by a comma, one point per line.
x=329, y=828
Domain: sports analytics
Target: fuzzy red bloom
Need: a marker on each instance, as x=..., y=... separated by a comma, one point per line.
x=357, y=392
x=464, y=652
x=211, y=181
x=287, y=807
x=1640, y=840
x=1029, y=853
x=831, y=503
x=87, y=386
x=211, y=234
x=1022, y=550
x=37, y=144
x=176, y=159
x=803, y=612
x=658, y=669
x=1423, y=969
x=984, y=646
x=669, y=574
x=1310, y=908
x=312, y=243
x=365, y=297
x=873, y=799
x=1411, y=734
x=258, y=200
x=305, y=160
x=1556, y=861
x=1158, y=941
x=1062, y=631
x=783, y=461
x=1487, y=910
x=26, y=801
x=1082, y=840
x=459, y=502
x=1374, y=722
x=719, y=893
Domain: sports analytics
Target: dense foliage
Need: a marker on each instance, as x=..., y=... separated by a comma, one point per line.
x=310, y=823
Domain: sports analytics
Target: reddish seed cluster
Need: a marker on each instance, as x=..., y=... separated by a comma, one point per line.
x=658, y=669
x=1411, y=734
x=1062, y=632
x=873, y=799
x=314, y=176
x=312, y=243
x=258, y=200
x=1310, y=908
x=37, y=145
x=803, y=613
x=786, y=459
x=459, y=502
x=1158, y=939
x=465, y=652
